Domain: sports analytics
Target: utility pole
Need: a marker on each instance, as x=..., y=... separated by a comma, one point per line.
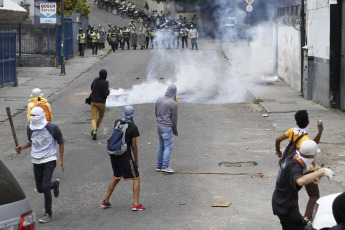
x=63, y=71
x=302, y=42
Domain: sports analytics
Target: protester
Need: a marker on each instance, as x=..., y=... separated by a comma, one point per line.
x=37, y=99
x=338, y=208
x=42, y=136
x=124, y=166
x=302, y=122
x=100, y=92
x=166, y=114
x=290, y=180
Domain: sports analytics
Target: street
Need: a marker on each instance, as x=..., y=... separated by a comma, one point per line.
x=221, y=132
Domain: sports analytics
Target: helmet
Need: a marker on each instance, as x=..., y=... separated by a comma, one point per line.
x=80, y=29
x=36, y=92
x=100, y=26
x=191, y=26
x=132, y=20
x=180, y=16
x=109, y=24
x=161, y=11
x=140, y=29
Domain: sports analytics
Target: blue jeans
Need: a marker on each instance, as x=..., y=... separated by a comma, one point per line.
x=165, y=135
x=43, y=175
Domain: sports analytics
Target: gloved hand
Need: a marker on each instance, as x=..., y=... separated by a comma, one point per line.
x=329, y=173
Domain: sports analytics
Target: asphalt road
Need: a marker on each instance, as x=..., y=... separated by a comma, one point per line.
x=209, y=134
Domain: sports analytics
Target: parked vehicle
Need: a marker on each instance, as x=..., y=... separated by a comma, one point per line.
x=323, y=218
x=15, y=211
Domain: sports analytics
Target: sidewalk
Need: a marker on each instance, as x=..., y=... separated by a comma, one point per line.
x=45, y=78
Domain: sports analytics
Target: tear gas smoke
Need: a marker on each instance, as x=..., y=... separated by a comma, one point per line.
x=204, y=76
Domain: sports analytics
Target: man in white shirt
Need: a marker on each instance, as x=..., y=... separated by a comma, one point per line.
x=193, y=34
x=43, y=136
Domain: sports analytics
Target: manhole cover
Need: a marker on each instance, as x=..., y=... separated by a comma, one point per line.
x=238, y=164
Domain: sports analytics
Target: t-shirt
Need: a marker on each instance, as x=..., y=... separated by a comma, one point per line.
x=290, y=133
x=131, y=132
x=285, y=196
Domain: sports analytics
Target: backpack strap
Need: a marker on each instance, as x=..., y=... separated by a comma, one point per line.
x=297, y=140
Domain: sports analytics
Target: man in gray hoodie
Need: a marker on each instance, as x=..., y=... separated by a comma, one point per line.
x=166, y=114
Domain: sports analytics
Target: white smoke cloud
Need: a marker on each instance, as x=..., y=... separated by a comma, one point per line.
x=203, y=76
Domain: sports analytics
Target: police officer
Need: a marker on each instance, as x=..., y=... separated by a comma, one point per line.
x=126, y=35
x=142, y=39
x=81, y=42
x=119, y=35
x=109, y=32
x=94, y=41
x=176, y=39
x=113, y=40
x=184, y=35
x=147, y=36
x=134, y=38
x=102, y=36
x=153, y=38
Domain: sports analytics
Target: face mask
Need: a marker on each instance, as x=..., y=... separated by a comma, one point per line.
x=36, y=119
x=307, y=161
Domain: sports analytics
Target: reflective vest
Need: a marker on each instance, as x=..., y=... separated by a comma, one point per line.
x=147, y=32
x=113, y=37
x=94, y=37
x=176, y=32
x=125, y=33
x=81, y=38
x=152, y=32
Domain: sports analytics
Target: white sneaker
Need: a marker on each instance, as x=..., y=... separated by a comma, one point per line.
x=168, y=170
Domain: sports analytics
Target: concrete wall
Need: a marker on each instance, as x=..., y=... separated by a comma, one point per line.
x=318, y=39
x=289, y=56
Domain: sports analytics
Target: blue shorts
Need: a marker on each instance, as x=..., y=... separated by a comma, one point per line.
x=126, y=169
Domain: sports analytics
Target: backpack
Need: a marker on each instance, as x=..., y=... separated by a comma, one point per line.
x=117, y=144
x=44, y=106
x=290, y=149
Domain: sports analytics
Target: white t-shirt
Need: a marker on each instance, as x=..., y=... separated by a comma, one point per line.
x=43, y=146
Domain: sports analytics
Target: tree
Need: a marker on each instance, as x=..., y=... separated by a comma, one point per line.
x=75, y=6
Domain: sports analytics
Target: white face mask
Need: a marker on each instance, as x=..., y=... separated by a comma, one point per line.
x=307, y=161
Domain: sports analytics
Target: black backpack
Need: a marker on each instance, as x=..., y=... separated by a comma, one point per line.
x=290, y=149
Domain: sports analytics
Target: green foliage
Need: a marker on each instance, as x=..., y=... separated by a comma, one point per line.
x=75, y=6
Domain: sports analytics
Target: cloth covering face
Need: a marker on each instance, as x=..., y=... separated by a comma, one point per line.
x=38, y=121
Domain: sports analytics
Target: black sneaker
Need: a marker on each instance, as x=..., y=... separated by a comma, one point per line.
x=57, y=189
x=45, y=218
x=94, y=135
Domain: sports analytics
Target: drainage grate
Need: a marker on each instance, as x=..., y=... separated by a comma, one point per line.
x=238, y=164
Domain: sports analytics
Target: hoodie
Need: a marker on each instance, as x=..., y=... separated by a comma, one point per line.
x=100, y=88
x=166, y=109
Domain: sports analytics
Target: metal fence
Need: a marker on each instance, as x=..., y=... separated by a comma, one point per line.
x=8, y=67
x=33, y=39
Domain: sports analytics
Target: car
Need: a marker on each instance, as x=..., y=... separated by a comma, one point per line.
x=322, y=214
x=15, y=210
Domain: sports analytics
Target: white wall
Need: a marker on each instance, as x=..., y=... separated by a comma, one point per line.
x=289, y=56
x=318, y=28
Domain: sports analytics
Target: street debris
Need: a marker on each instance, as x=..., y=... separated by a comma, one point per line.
x=258, y=175
x=265, y=115
x=222, y=204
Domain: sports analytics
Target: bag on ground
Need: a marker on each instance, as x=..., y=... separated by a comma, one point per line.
x=290, y=149
x=44, y=106
x=116, y=144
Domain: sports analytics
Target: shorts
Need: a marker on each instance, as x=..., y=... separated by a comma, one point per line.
x=126, y=169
